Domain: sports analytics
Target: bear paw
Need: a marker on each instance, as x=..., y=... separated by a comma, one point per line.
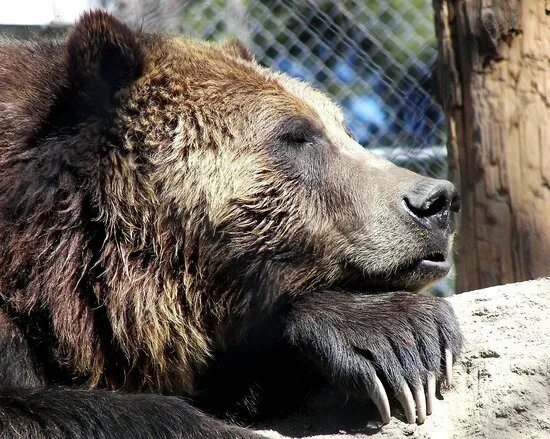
x=397, y=344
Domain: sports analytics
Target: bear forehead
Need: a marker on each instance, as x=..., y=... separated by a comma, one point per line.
x=208, y=62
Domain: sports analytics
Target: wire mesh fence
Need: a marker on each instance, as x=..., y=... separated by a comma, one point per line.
x=375, y=57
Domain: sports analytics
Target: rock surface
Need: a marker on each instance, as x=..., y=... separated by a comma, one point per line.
x=501, y=385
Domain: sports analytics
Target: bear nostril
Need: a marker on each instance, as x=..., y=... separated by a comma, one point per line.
x=429, y=207
x=430, y=202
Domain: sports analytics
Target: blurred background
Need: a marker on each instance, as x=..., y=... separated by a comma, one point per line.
x=376, y=58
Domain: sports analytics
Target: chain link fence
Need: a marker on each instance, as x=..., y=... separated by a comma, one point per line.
x=374, y=57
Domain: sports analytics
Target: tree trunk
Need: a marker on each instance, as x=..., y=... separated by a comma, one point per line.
x=494, y=82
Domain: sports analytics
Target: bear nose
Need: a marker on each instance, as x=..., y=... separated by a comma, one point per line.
x=431, y=201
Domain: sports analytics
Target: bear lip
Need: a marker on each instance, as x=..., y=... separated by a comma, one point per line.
x=434, y=263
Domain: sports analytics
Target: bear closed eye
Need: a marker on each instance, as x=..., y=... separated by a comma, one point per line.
x=173, y=214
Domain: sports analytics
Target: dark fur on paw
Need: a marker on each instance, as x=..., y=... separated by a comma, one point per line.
x=397, y=344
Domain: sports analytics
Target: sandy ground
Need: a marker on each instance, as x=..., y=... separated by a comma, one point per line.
x=501, y=384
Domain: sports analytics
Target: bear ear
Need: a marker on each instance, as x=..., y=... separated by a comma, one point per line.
x=237, y=49
x=103, y=54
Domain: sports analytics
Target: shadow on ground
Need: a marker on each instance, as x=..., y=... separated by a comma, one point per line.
x=329, y=412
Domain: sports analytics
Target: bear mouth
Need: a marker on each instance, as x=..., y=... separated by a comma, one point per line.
x=433, y=265
x=434, y=261
x=410, y=276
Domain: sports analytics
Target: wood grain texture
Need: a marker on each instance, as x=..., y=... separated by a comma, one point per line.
x=494, y=83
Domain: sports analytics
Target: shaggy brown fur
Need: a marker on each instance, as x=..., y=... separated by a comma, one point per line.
x=159, y=196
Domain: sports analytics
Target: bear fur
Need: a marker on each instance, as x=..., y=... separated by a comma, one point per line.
x=165, y=201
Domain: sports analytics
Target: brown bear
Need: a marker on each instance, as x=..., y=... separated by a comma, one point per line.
x=178, y=223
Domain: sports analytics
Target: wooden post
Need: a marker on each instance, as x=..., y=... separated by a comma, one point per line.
x=494, y=81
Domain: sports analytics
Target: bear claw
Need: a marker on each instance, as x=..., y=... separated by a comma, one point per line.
x=405, y=398
x=430, y=393
x=448, y=366
x=380, y=399
x=418, y=403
